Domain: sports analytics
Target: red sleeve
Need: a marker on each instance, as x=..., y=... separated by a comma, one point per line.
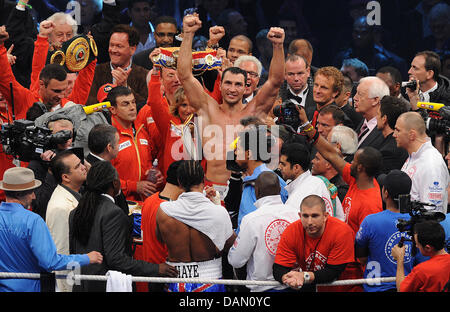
x=287, y=250
x=412, y=282
x=83, y=83
x=23, y=98
x=41, y=47
x=160, y=111
x=347, y=176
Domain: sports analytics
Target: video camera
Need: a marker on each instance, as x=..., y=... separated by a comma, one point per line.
x=25, y=141
x=436, y=117
x=287, y=113
x=418, y=214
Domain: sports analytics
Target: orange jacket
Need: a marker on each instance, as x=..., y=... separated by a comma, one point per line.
x=23, y=98
x=133, y=159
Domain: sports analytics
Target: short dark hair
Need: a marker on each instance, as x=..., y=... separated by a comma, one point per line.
x=132, y=32
x=190, y=173
x=259, y=141
x=431, y=233
x=172, y=172
x=52, y=71
x=392, y=107
x=100, y=136
x=115, y=92
x=296, y=153
x=131, y=3
x=165, y=19
x=18, y=194
x=312, y=201
x=57, y=165
x=432, y=62
x=394, y=72
x=336, y=112
x=371, y=159
x=235, y=71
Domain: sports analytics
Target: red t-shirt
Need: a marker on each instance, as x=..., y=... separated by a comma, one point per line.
x=334, y=247
x=358, y=203
x=153, y=251
x=428, y=276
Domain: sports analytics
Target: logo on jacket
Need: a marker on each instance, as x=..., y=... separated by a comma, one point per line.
x=273, y=234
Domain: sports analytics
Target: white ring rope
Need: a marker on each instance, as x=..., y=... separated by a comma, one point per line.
x=78, y=277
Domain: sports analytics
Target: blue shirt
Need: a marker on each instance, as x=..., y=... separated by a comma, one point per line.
x=26, y=246
x=248, y=198
x=379, y=234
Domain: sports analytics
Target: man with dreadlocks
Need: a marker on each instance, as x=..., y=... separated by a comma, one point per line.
x=195, y=230
x=98, y=222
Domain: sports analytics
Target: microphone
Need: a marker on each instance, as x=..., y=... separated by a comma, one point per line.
x=96, y=107
x=430, y=106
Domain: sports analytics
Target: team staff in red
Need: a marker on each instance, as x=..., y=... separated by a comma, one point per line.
x=133, y=160
x=83, y=82
x=432, y=275
x=314, y=249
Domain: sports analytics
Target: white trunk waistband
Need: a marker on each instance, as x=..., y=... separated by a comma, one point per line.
x=206, y=269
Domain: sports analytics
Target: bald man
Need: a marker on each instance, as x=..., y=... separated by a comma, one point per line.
x=425, y=164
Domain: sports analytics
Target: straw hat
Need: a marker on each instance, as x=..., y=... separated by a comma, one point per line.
x=19, y=179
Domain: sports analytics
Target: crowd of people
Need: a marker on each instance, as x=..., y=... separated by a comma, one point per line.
x=223, y=142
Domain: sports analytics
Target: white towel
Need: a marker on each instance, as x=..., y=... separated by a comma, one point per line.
x=118, y=282
x=197, y=211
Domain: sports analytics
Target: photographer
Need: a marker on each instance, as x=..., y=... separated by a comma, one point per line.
x=379, y=229
x=432, y=275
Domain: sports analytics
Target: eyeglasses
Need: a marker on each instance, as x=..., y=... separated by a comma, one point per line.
x=253, y=74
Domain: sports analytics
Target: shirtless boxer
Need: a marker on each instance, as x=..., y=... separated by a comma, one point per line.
x=220, y=124
x=195, y=231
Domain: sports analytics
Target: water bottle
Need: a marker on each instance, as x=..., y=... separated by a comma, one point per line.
x=152, y=174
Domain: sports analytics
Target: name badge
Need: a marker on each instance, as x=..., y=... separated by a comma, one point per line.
x=143, y=141
x=150, y=120
x=124, y=145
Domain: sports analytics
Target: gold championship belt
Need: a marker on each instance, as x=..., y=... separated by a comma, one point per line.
x=75, y=54
x=201, y=60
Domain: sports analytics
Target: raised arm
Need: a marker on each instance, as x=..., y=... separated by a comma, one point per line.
x=268, y=93
x=193, y=89
x=328, y=151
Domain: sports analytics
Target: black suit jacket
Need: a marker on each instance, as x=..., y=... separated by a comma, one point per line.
x=110, y=234
x=309, y=105
x=393, y=156
x=375, y=139
x=120, y=199
x=141, y=59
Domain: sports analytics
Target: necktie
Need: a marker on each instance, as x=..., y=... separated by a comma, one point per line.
x=363, y=131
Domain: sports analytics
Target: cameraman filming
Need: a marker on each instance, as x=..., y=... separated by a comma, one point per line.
x=378, y=232
x=429, y=276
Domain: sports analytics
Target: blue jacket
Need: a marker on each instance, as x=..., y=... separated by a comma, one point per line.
x=26, y=246
x=248, y=198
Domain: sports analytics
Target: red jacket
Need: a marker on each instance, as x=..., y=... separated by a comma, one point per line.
x=82, y=86
x=133, y=159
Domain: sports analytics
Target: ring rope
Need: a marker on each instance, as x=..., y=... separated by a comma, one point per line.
x=78, y=277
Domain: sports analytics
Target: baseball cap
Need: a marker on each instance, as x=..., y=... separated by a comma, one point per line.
x=396, y=182
x=103, y=91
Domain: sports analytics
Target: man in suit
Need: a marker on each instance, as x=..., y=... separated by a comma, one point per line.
x=391, y=107
x=297, y=73
x=367, y=99
x=70, y=174
x=165, y=31
x=120, y=71
x=103, y=142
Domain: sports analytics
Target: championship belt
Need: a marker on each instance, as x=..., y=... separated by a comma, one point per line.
x=75, y=54
x=201, y=60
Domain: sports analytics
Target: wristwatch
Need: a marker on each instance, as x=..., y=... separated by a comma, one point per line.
x=306, y=277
